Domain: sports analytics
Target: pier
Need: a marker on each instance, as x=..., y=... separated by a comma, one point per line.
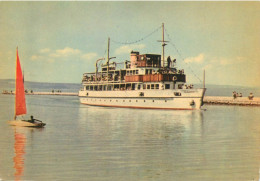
x=54, y=93
x=241, y=101
x=47, y=93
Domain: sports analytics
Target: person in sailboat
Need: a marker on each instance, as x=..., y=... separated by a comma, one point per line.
x=32, y=119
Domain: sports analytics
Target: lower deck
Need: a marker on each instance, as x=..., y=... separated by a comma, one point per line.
x=167, y=99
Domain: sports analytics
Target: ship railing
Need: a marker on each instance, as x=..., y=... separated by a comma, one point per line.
x=101, y=82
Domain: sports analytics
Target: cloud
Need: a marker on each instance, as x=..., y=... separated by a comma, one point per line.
x=223, y=61
x=65, y=52
x=207, y=67
x=50, y=60
x=197, y=59
x=45, y=50
x=35, y=57
x=128, y=48
x=88, y=56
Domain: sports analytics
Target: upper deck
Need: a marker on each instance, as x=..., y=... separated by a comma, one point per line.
x=140, y=68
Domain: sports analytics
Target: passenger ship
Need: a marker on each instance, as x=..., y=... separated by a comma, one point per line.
x=147, y=81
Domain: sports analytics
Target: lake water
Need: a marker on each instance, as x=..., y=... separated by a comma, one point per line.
x=94, y=143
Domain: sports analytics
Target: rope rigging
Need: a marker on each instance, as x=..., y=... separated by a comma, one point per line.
x=141, y=39
x=174, y=46
x=170, y=42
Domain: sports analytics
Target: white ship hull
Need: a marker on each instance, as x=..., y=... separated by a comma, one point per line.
x=186, y=99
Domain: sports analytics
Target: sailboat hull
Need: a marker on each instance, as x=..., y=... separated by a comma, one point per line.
x=25, y=123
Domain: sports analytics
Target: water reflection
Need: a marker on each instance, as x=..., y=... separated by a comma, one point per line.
x=20, y=141
x=19, y=149
x=152, y=124
x=140, y=141
x=168, y=145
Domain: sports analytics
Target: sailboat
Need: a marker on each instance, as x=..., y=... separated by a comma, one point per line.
x=20, y=104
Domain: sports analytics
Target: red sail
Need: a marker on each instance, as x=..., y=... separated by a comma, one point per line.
x=20, y=105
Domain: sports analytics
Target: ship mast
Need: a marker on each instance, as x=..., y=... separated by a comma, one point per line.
x=108, y=45
x=163, y=43
x=204, y=79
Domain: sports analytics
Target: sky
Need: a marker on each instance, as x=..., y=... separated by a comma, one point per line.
x=59, y=41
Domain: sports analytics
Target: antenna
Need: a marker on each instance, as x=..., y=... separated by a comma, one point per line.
x=108, y=45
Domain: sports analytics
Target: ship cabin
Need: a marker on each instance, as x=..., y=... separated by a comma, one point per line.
x=142, y=72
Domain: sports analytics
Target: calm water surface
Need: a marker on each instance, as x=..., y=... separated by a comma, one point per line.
x=95, y=143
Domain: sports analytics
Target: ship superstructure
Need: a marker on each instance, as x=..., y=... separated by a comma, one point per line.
x=146, y=81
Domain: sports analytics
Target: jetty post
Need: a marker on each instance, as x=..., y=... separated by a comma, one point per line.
x=204, y=79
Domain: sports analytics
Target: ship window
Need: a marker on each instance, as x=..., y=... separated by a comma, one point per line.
x=131, y=72
x=157, y=86
x=136, y=72
x=129, y=100
x=87, y=87
x=153, y=100
x=133, y=86
x=95, y=87
x=144, y=86
x=167, y=86
x=104, y=87
x=177, y=93
x=165, y=100
x=136, y=100
x=116, y=87
x=152, y=86
x=148, y=86
x=109, y=88
x=144, y=100
x=91, y=87
x=180, y=86
x=139, y=86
